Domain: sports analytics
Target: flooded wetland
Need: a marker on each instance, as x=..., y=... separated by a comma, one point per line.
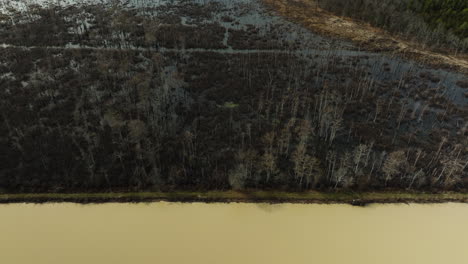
x=222, y=100
x=107, y=91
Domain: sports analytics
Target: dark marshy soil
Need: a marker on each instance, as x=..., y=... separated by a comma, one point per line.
x=217, y=96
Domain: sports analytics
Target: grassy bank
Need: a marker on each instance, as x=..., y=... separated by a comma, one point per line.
x=246, y=196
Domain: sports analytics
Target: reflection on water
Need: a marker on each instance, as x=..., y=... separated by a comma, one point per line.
x=233, y=233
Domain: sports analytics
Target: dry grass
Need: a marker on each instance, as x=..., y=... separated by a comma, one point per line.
x=307, y=13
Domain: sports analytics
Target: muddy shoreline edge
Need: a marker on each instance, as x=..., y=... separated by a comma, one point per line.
x=355, y=199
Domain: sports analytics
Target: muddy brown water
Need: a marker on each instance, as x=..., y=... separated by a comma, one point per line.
x=233, y=233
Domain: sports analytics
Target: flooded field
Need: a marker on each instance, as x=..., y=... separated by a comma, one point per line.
x=146, y=95
x=249, y=98
x=174, y=233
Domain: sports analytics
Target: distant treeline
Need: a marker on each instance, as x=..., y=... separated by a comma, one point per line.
x=451, y=14
x=437, y=23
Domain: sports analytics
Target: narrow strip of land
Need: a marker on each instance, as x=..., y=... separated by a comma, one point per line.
x=323, y=52
x=240, y=196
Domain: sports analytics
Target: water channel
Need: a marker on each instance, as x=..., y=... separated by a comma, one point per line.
x=233, y=233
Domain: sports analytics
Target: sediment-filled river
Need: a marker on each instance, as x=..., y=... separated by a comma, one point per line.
x=233, y=233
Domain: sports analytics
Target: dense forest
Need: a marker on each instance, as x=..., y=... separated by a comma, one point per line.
x=218, y=95
x=437, y=23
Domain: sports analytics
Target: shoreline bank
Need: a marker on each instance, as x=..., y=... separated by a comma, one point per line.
x=273, y=197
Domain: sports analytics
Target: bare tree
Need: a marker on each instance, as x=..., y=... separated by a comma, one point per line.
x=268, y=165
x=394, y=164
x=305, y=166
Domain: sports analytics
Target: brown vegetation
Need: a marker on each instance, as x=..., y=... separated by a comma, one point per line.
x=147, y=102
x=367, y=37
